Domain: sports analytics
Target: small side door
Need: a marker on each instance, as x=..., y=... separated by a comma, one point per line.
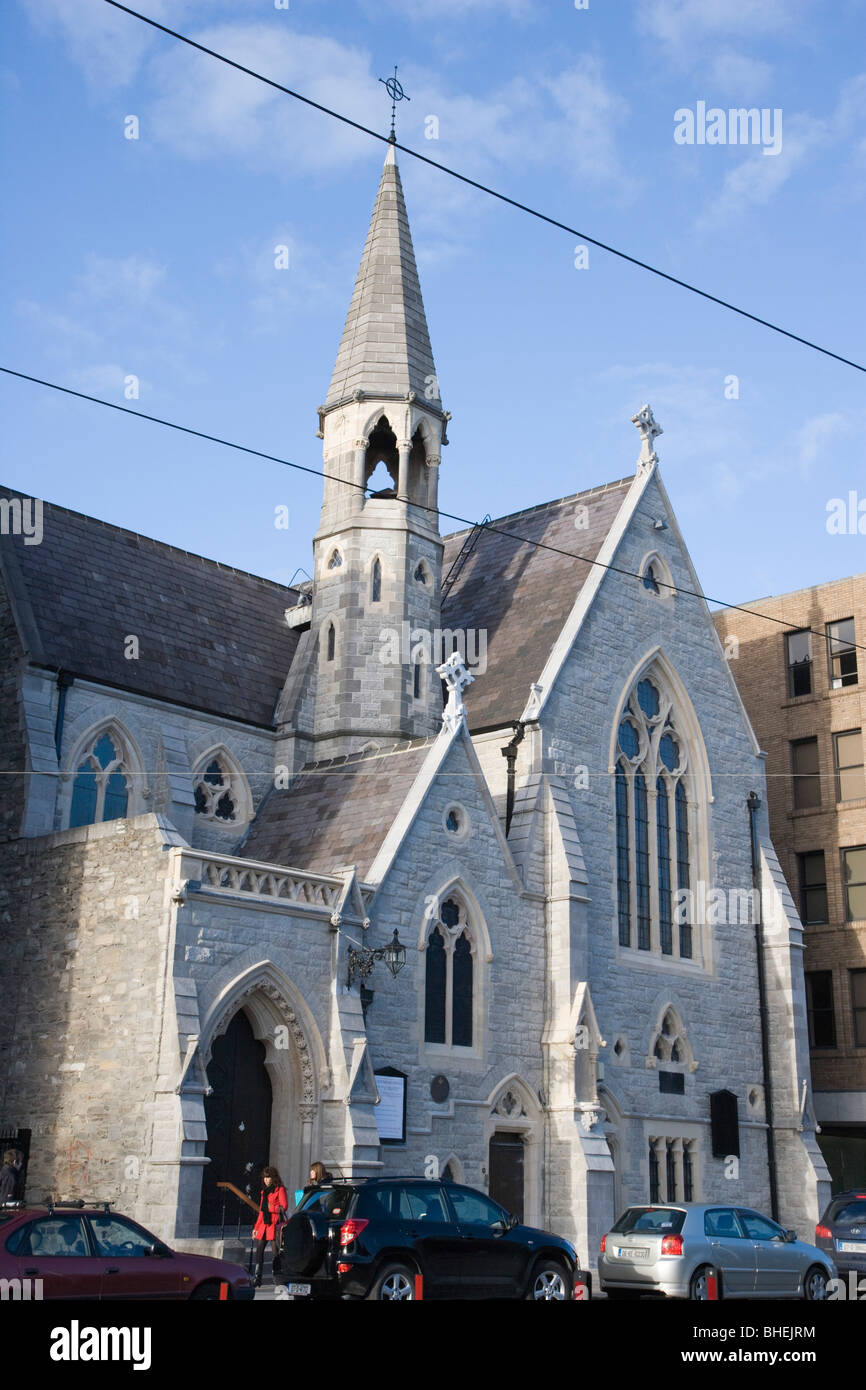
x=56, y=1249
x=127, y=1267
x=731, y=1251
x=779, y=1263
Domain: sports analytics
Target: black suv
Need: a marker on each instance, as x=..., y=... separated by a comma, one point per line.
x=373, y=1237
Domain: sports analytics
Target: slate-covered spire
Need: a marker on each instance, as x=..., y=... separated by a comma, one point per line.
x=385, y=349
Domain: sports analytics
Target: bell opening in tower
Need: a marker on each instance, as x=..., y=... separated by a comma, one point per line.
x=381, y=463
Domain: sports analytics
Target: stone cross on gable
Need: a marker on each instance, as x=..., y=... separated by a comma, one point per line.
x=650, y=429
x=456, y=677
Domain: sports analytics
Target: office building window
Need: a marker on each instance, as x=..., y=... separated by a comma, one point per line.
x=799, y=650
x=842, y=653
x=858, y=1005
x=813, y=888
x=854, y=879
x=848, y=753
x=819, y=1008
x=804, y=767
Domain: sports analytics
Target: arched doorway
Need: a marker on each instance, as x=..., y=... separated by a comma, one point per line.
x=238, y=1116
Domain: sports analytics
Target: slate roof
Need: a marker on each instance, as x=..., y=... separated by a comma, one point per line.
x=521, y=596
x=385, y=348
x=210, y=636
x=337, y=812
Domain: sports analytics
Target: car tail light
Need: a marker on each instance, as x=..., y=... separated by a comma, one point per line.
x=350, y=1230
x=343, y=1268
x=823, y=1233
x=672, y=1245
x=602, y=1244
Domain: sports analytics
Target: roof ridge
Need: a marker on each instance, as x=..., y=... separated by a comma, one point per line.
x=541, y=506
x=367, y=755
x=151, y=540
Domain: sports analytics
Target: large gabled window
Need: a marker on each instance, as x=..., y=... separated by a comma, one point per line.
x=653, y=827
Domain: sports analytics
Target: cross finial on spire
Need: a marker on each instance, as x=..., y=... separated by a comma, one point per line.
x=650, y=429
x=456, y=677
x=396, y=93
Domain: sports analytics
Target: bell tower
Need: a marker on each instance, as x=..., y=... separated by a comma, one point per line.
x=378, y=552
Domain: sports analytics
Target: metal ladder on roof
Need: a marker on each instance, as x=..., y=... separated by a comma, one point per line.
x=465, y=551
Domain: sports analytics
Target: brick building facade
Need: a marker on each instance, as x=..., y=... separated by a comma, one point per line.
x=804, y=685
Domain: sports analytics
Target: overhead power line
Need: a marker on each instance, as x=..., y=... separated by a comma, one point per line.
x=484, y=188
x=438, y=511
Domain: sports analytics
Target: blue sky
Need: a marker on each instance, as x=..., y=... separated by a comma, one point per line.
x=155, y=257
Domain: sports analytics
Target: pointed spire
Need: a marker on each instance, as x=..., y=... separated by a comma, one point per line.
x=385, y=349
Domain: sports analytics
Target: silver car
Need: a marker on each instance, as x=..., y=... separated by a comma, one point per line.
x=674, y=1250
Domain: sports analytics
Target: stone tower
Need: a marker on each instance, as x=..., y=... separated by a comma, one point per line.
x=378, y=553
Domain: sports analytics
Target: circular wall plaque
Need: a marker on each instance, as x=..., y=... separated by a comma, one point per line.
x=440, y=1089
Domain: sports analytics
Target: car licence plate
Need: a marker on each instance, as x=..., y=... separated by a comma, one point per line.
x=298, y=1290
x=852, y=1247
x=633, y=1252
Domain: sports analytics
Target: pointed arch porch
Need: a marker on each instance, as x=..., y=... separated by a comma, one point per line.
x=294, y=1058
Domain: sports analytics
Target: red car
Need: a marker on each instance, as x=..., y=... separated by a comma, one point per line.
x=90, y=1252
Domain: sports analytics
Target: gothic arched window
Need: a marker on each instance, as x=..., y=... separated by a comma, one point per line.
x=653, y=846
x=101, y=789
x=376, y=581
x=331, y=642
x=449, y=984
x=417, y=672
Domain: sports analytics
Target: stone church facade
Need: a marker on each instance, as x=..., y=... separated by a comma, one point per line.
x=204, y=829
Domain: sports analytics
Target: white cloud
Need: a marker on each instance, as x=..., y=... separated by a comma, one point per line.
x=732, y=73
x=820, y=439
x=425, y=11
x=757, y=180
x=204, y=110
x=681, y=25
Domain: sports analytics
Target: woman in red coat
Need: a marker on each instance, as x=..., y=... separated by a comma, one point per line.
x=273, y=1213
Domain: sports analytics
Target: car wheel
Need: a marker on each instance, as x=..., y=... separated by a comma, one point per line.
x=698, y=1287
x=207, y=1291
x=395, y=1283
x=549, y=1281
x=815, y=1284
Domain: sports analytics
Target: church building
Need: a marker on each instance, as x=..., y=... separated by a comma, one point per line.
x=518, y=747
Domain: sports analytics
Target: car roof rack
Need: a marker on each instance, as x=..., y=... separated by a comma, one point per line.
x=380, y=1177
x=76, y=1203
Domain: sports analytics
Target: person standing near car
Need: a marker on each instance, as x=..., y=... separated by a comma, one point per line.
x=10, y=1175
x=273, y=1212
x=318, y=1175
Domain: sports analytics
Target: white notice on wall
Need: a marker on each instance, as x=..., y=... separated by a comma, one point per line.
x=389, y=1111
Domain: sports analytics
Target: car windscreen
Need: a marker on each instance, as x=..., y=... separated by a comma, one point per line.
x=850, y=1213
x=329, y=1201
x=661, y=1220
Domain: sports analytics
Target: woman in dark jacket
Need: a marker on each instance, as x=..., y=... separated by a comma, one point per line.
x=273, y=1210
